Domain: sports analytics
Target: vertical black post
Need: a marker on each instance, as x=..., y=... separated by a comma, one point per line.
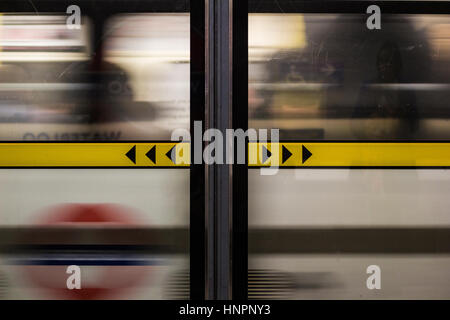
x=197, y=171
x=240, y=171
x=219, y=191
x=223, y=121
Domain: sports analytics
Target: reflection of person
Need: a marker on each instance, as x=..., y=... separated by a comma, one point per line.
x=113, y=97
x=382, y=99
x=283, y=68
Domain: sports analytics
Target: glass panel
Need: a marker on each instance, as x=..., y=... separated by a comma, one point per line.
x=127, y=230
x=314, y=232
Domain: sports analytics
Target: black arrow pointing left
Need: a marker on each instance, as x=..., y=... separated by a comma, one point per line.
x=151, y=154
x=171, y=155
x=131, y=154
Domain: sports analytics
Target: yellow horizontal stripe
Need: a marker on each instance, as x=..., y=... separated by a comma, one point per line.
x=283, y=154
x=91, y=154
x=354, y=154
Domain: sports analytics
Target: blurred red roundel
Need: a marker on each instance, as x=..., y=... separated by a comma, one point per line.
x=104, y=214
x=102, y=281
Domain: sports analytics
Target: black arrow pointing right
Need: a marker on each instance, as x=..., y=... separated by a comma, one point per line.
x=131, y=154
x=265, y=154
x=286, y=154
x=306, y=154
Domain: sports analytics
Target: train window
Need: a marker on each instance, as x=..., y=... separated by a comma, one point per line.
x=316, y=233
x=326, y=76
x=37, y=98
x=154, y=61
x=126, y=230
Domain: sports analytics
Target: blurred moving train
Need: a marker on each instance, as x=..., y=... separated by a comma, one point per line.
x=328, y=77
x=312, y=233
